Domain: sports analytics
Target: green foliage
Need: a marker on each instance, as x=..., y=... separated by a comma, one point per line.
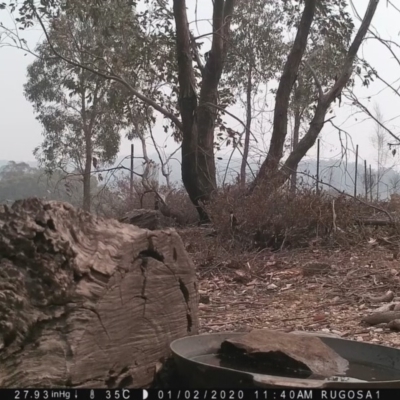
x=135, y=44
x=14, y=169
x=329, y=40
x=257, y=44
x=256, y=53
x=71, y=102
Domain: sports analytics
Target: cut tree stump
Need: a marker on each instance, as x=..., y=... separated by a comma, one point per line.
x=88, y=302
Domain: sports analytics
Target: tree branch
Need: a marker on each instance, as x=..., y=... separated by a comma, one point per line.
x=352, y=53
x=369, y=113
x=196, y=54
x=287, y=80
x=186, y=76
x=324, y=102
x=222, y=17
x=316, y=79
x=228, y=12
x=231, y=115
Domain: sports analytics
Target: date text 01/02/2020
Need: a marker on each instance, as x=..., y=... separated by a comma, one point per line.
x=274, y=394
x=193, y=394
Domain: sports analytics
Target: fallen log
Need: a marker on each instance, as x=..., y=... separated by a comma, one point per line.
x=88, y=302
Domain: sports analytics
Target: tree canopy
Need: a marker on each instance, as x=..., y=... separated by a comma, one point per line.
x=149, y=61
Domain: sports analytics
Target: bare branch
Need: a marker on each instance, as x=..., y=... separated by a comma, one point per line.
x=286, y=83
x=324, y=102
x=231, y=115
x=371, y=115
x=196, y=54
x=315, y=76
x=352, y=53
x=351, y=196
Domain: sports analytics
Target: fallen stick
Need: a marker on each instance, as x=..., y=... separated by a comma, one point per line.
x=385, y=298
x=379, y=318
x=388, y=307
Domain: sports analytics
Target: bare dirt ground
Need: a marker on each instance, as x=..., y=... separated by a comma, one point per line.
x=268, y=290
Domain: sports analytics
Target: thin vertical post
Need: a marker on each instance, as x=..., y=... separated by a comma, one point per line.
x=377, y=183
x=366, y=180
x=131, y=179
x=317, y=167
x=356, y=172
x=370, y=182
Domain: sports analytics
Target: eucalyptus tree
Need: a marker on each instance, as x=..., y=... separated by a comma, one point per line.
x=19, y=180
x=192, y=102
x=329, y=40
x=190, y=97
x=82, y=114
x=72, y=106
x=328, y=17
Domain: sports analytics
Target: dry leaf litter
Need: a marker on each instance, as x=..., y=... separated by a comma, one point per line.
x=312, y=289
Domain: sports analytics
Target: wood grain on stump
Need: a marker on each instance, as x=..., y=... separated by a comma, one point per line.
x=88, y=302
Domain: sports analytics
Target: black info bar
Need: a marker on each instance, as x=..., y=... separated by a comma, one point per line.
x=198, y=394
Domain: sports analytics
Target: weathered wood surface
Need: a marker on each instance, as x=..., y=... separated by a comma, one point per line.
x=375, y=222
x=88, y=302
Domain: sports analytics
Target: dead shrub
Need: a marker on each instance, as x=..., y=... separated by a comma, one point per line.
x=280, y=218
x=181, y=208
x=116, y=201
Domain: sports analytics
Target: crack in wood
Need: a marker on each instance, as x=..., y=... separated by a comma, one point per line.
x=143, y=293
x=185, y=292
x=99, y=318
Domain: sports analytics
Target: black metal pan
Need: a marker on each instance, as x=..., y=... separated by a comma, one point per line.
x=188, y=353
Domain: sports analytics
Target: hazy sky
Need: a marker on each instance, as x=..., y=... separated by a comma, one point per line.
x=20, y=133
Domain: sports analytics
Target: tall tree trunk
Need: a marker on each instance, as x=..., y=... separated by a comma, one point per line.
x=198, y=114
x=306, y=142
x=243, y=166
x=296, y=131
x=286, y=83
x=88, y=146
x=324, y=100
x=188, y=106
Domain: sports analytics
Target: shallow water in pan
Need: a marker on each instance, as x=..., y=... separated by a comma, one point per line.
x=357, y=371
